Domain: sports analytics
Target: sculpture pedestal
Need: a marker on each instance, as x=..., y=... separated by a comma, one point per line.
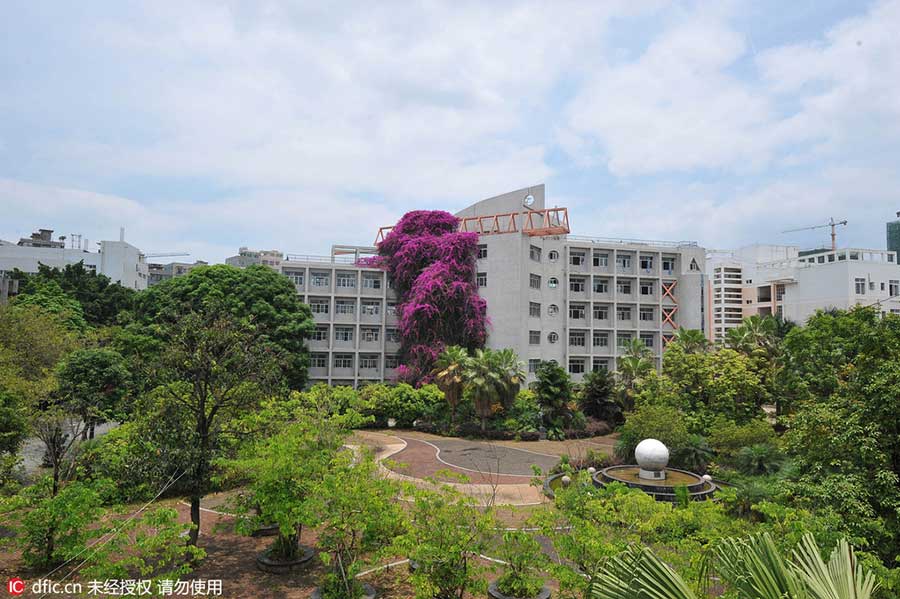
x=652, y=474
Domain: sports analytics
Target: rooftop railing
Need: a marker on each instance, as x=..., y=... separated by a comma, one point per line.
x=621, y=241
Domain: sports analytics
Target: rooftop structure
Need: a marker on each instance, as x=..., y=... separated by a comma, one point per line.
x=163, y=272
x=893, y=235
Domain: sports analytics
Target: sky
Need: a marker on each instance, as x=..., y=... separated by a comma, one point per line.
x=205, y=126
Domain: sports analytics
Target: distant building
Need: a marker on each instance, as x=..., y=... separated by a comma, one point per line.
x=122, y=262
x=247, y=257
x=893, y=235
x=163, y=272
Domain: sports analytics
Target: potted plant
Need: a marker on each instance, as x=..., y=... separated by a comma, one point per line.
x=521, y=577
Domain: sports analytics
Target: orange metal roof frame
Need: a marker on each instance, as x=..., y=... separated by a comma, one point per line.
x=549, y=221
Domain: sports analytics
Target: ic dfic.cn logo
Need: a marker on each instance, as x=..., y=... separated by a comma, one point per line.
x=15, y=586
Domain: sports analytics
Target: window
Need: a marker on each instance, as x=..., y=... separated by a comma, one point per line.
x=601, y=285
x=646, y=314
x=623, y=262
x=601, y=312
x=533, y=365
x=646, y=288
x=318, y=306
x=601, y=339
x=553, y=256
x=600, y=365
x=320, y=279
x=552, y=310
x=343, y=334
x=534, y=252
x=391, y=336
x=601, y=260
x=318, y=360
x=576, y=285
x=534, y=309
x=576, y=258
x=534, y=337
x=860, y=286
x=576, y=311
x=623, y=313
x=320, y=333
x=871, y=285
x=552, y=282
x=296, y=278
x=668, y=265
x=623, y=339
x=346, y=280
x=646, y=262
x=576, y=338
x=371, y=308
x=576, y=365
x=893, y=288
x=481, y=279
x=371, y=282
x=370, y=335
x=391, y=309
x=391, y=361
x=534, y=281
x=552, y=337
x=694, y=266
x=368, y=362
x=343, y=360
x=345, y=307
x=647, y=338
x=482, y=252
x=623, y=287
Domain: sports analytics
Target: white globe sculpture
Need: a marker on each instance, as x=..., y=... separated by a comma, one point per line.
x=652, y=457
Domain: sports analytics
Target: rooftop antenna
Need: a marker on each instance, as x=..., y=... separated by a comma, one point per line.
x=831, y=223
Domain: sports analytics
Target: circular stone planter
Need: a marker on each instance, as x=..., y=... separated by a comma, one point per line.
x=494, y=593
x=265, y=531
x=368, y=592
x=266, y=564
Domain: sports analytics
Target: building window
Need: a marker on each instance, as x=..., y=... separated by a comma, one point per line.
x=623, y=313
x=893, y=288
x=370, y=335
x=601, y=312
x=368, y=362
x=647, y=338
x=345, y=307
x=552, y=337
x=343, y=334
x=534, y=281
x=694, y=266
x=576, y=366
x=371, y=282
x=318, y=306
x=623, y=339
x=601, y=260
x=576, y=258
x=533, y=365
x=371, y=308
x=391, y=336
x=623, y=287
x=295, y=277
x=391, y=309
x=576, y=311
x=320, y=334
x=481, y=279
x=318, y=360
x=482, y=252
x=552, y=282
x=623, y=262
x=343, y=360
x=668, y=265
x=576, y=285
x=601, y=285
x=534, y=309
x=391, y=361
x=646, y=314
x=646, y=288
x=534, y=252
x=577, y=338
x=553, y=256
x=534, y=337
x=646, y=262
x=320, y=279
x=346, y=281
x=552, y=310
x=600, y=365
x=601, y=339
x=860, y=286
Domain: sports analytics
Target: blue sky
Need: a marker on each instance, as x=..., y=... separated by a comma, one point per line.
x=204, y=126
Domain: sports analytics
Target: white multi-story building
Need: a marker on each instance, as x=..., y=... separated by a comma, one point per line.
x=120, y=261
x=550, y=295
x=784, y=281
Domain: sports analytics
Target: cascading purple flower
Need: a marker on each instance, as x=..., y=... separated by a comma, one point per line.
x=432, y=268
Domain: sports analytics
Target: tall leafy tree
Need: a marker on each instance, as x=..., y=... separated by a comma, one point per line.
x=597, y=397
x=450, y=375
x=94, y=383
x=486, y=384
x=554, y=394
x=691, y=340
x=49, y=297
x=633, y=367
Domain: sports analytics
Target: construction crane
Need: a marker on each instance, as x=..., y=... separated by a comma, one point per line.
x=831, y=223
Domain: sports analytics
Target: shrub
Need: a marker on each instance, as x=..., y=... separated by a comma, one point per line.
x=597, y=398
x=525, y=413
x=694, y=455
x=652, y=422
x=331, y=400
x=523, y=557
x=727, y=438
x=402, y=402
x=762, y=458
x=554, y=394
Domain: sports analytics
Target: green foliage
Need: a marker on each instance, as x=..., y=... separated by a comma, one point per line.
x=727, y=437
x=402, y=402
x=659, y=422
x=94, y=382
x=554, y=394
x=521, y=572
x=449, y=375
x=761, y=458
x=13, y=424
x=525, y=413
x=255, y=296
x=49, y=297
x=694, y=455
x=492, y=380
x=597, y=397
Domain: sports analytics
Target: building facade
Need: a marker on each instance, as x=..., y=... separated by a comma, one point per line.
x=893, y=235
x=163, y=272
x=122, y=262
x=550, y=295
x=247, y=257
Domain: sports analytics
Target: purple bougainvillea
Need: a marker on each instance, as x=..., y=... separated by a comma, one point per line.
x=432, y=267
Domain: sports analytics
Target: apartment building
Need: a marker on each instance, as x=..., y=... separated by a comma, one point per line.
x=784, y=281
x=550, y=295
x=163, y=272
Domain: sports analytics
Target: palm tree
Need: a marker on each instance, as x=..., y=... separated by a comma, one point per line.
x=486, y=382
x=513, y=372
x=693, y=341
x=632, y=368
x=450, y=374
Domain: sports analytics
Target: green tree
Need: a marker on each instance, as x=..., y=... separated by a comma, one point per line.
x=633, y=367
x=49, y=297
x=450, y=375
x=256, y=295
x=553, y=388
x=692, y=341
x=597, y=397
x=94, y=382
x=663, y=423
x=486, y=384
